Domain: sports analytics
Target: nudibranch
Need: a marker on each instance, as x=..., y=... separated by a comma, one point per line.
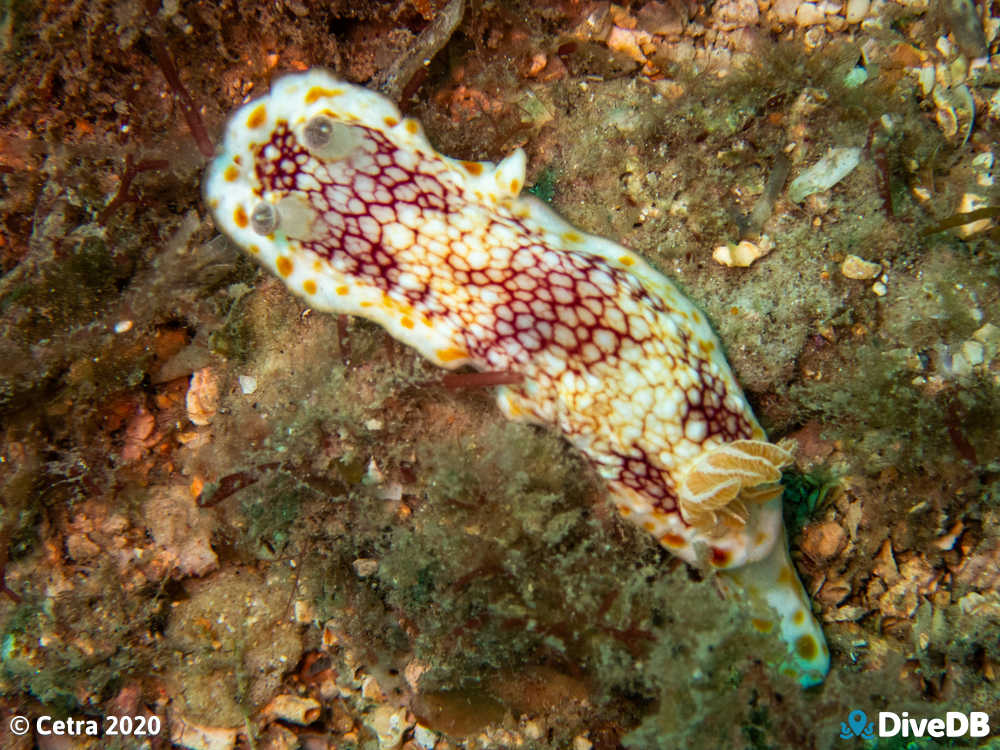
x=327, y=185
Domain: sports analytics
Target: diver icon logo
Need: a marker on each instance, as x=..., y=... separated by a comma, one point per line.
x=857, y=725
x=890, y=724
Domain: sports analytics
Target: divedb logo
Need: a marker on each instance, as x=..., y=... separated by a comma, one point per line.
x=890, y=724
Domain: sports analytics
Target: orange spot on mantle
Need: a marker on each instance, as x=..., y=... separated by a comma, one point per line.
x=452, y=354
x=805, y=646
x=719, y=557
x=284, y=266
x=390, y=304
x=317, y=92
x=258, y=117
x=676, y=541
x=240, y=217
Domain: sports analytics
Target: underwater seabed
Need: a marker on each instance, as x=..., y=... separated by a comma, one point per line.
x=269, y=526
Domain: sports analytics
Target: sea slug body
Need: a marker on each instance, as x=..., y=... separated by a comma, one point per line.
x=326, y=184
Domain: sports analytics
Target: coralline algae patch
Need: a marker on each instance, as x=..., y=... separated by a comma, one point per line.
x=346, y=201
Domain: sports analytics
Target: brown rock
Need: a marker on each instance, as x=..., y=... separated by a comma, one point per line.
x=734, y=14
x=834, y=592
x=182, y=534
x=667, y=18
x=824, y=541
x=340, y=719
x=278, y=737
x=981, y=570
x=885, y=564
x=80, y=548
x=876, y=587
x=920, y=574
x=916, y=578
x=848, y=613
x=293, y=708
x=203, y=397
x=899, y=601
x=812, y=446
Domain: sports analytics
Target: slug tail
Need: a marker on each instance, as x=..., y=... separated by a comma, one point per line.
x=778, y=604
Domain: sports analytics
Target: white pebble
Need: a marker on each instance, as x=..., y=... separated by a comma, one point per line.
x=293, y=708
x=248, y=384
x=123, y=326
x=784, y=10
x=532, y=730
x=926, y=77
x=735, y=14
x=365, y=566
x=426, y=738
x=995, y=104
x=835, y=23
x=879, y=289
x=809, y=14
x=743, y=254
x=814, y=37
x=983, y=161
x=983, y=166
x=855, y=77
x=857, y=10
x=195, y=737
x=305, y=613
x=969, y=203
x=392, y=491
x=824, y=174
x=960, y=365
x=989, y=334
x=973, y=352
x=854, y=267
x=388, y=723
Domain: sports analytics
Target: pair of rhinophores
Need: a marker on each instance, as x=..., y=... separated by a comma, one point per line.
x=327, y=185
